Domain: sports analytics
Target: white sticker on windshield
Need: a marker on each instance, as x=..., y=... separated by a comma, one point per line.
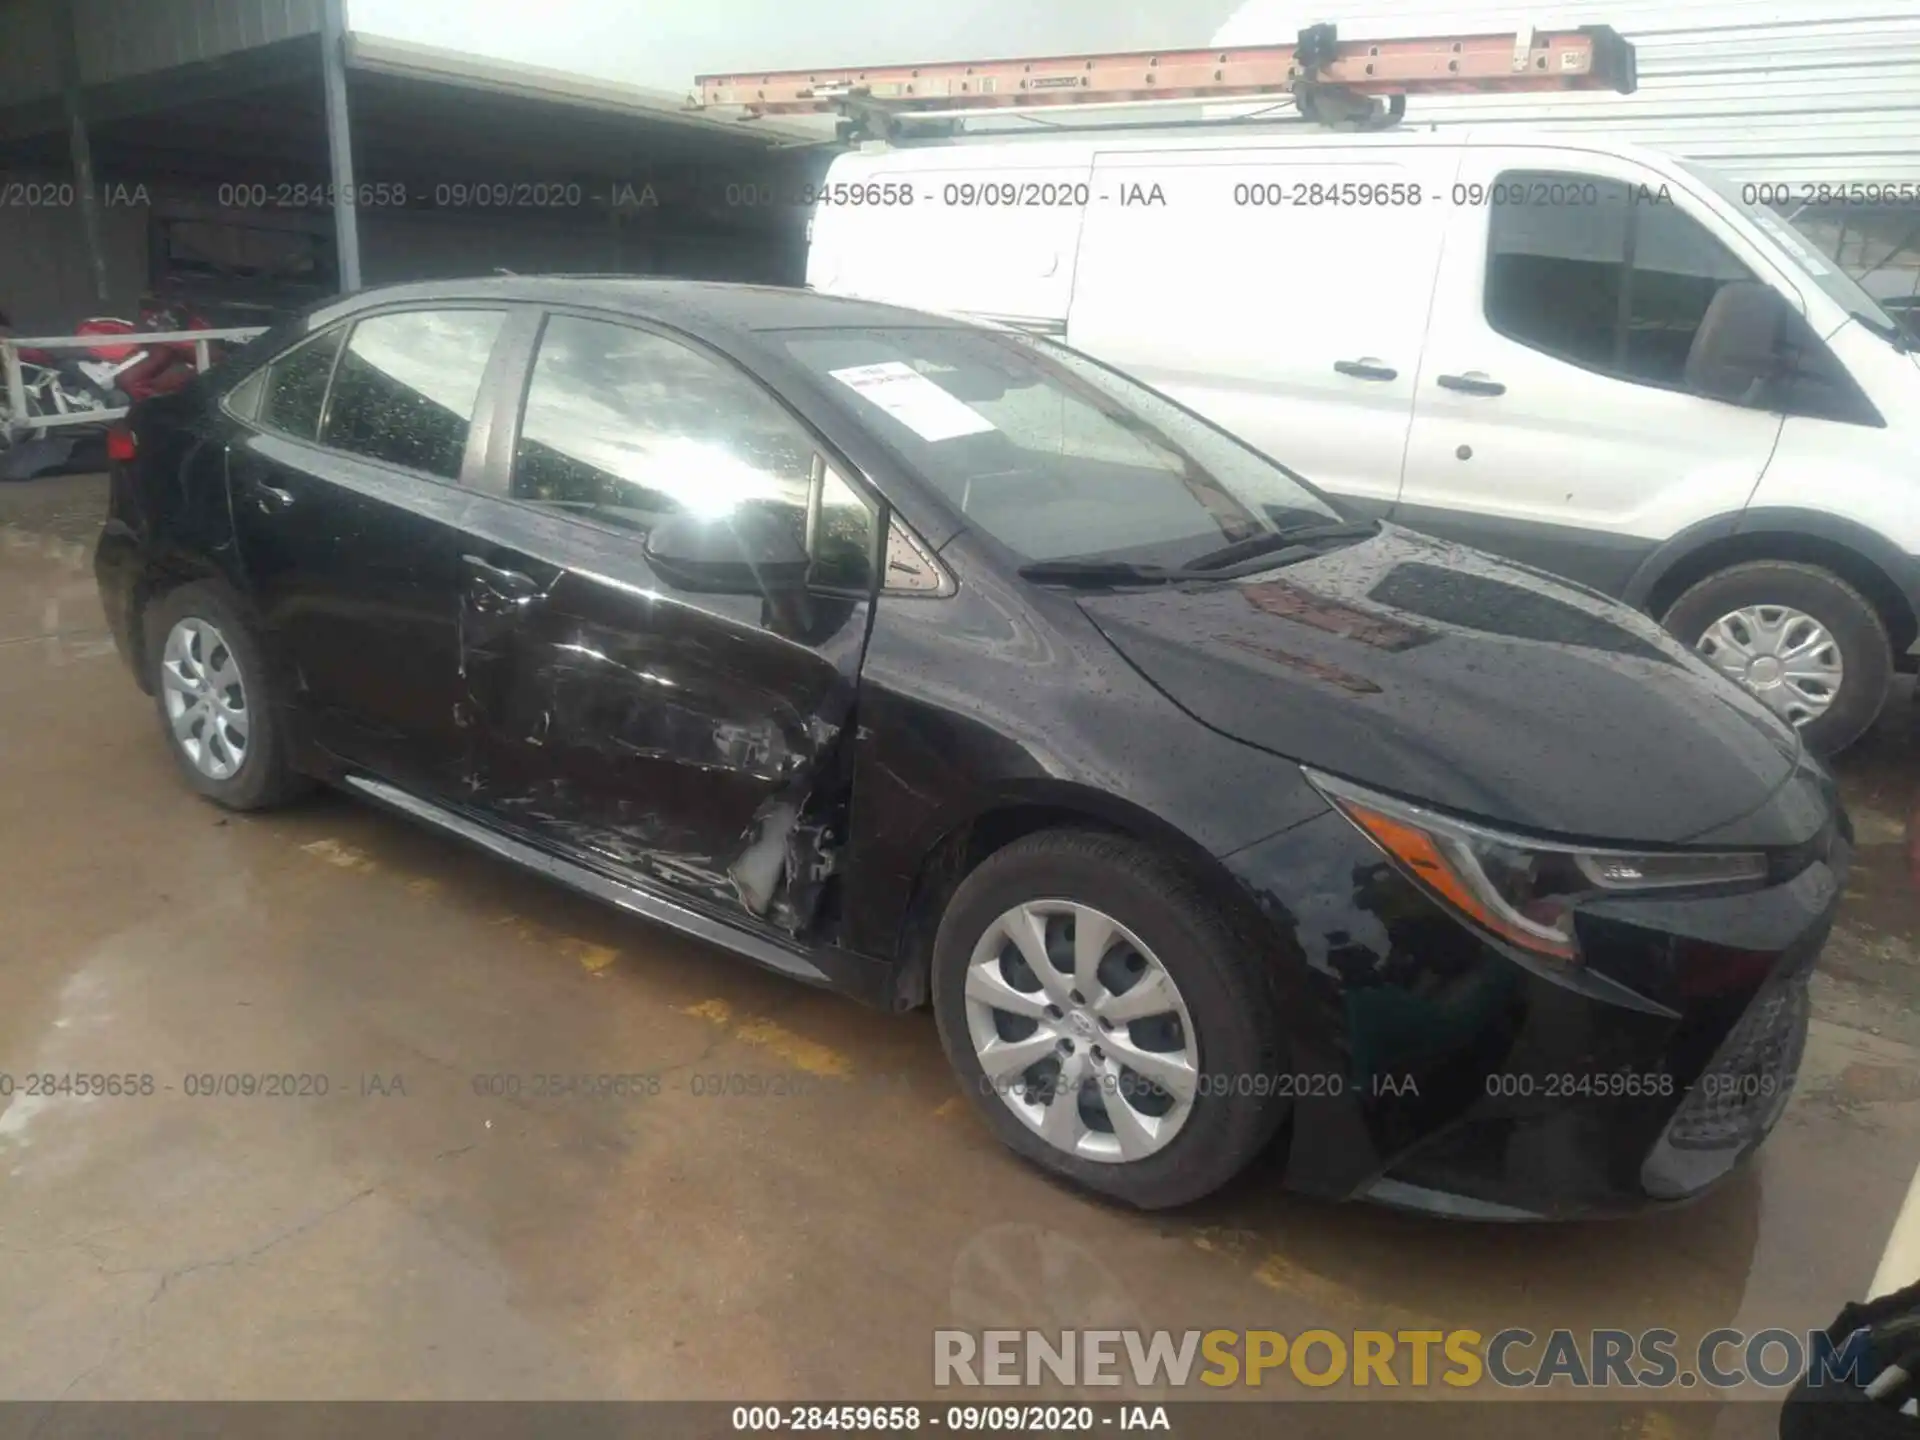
x=914, y=400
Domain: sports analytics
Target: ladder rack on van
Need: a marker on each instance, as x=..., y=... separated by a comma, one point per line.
x=1332, y=82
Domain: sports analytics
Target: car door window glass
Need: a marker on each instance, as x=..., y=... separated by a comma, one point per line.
x=243, y=399
x=629, y=428
x=296, y=386
x=1606, y=275
x=1051, y=453
x=406, y=387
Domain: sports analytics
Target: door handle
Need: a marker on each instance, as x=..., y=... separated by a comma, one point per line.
x=507, y=584
x=1472, y=383
x=271, y=499
x=1366, y=368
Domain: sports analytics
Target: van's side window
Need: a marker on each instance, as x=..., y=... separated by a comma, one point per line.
x=1605, y=275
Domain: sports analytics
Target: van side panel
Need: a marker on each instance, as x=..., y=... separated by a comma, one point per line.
x=1867, y=474
x=983, y=232
x=1282, y=293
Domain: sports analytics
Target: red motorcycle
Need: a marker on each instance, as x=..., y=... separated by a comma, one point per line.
x=144, y=370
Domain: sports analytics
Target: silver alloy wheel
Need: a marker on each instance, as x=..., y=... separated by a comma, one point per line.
x=1783, y=655
x=1081, y=1031
x=206, y=698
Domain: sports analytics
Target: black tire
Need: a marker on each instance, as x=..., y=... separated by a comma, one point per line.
x=1855, y=625
x=1233, y=1013
x=263, y=779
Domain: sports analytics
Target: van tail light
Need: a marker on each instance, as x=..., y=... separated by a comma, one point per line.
x=120, y=443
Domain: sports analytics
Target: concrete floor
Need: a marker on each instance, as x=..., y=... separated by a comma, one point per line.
x=439, y=1243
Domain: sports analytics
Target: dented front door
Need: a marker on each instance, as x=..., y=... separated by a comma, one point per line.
x=686, y=737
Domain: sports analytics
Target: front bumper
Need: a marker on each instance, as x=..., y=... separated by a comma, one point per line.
x=1439, y=1070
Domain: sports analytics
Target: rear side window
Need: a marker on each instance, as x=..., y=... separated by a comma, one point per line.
x=1605, y=275
x=406, y=387
x=295, y=389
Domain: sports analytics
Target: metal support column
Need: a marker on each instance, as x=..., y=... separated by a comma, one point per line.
x=333, y=68
x=67, y=58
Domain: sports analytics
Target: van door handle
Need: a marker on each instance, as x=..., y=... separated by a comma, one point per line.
x=1366, y=368
x=1472, y=383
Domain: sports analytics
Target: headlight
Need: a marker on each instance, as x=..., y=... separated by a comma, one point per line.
x=1521, y=889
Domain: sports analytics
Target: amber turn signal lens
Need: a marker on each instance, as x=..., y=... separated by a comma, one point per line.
x=1428, y=864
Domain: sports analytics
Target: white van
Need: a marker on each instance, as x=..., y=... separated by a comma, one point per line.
x=1599, y=360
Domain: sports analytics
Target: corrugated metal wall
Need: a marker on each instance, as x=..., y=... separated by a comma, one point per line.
x=119, y=38
x=1796, y=90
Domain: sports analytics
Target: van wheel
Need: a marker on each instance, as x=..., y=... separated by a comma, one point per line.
x=210, y=685
x=1799, y=637
x=1099, y=1013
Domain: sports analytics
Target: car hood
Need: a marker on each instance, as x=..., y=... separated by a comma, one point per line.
x=1441, y=674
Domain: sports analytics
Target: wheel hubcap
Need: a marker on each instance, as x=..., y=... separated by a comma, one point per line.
x=1783, y=655
x=1081, y=1031
x=206, y=698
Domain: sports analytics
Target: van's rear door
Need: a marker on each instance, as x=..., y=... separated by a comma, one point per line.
x=988, y=231
x=1282, y=293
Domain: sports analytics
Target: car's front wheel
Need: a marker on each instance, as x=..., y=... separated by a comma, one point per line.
x=1105, y=1020
x=210, y=684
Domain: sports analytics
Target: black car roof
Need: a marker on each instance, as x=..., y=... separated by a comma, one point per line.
x=691, y=304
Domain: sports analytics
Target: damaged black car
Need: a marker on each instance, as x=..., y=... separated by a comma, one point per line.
x=944, y=666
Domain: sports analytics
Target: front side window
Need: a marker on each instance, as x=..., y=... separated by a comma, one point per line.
x=405, y=390
x=1600, y=273
x=1053, y=455
x=630, y=428
x=295, y=388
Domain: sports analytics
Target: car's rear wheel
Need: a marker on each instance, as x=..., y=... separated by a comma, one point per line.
x=1105, y=1020
x=1799, y=637
x=210, y=684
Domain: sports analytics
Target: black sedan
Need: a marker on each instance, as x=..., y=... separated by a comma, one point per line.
x=944, y=665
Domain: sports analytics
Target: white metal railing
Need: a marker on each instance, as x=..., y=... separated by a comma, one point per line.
x=17, y=421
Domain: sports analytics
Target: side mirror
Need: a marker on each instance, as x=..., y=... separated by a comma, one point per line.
x=1736, y=351
x=754, y=551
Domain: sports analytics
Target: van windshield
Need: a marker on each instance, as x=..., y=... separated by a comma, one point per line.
x=1054, y=455
x=1839, y=286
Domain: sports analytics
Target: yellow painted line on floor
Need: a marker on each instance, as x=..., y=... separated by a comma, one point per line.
x=1652, y=1425
x=1277, y=1272
x=345, y=856
x=1284, y=1276
x=948, y=1108
x=809, y=1055
x=522, y=928
x=770, y=1035
x=592, y=957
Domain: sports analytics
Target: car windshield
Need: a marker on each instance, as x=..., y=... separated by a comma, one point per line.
x=1838, y=285
x=1054, y=455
